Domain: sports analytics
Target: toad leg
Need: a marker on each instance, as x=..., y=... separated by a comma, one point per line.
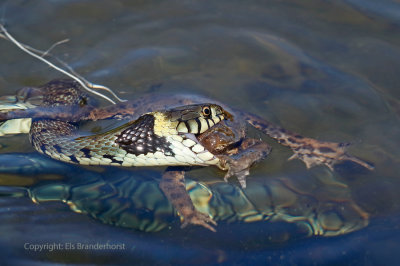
x=250, y=152
x=311, y=151
x=173, y=186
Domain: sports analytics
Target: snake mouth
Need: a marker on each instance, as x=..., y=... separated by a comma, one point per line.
x=190, y=136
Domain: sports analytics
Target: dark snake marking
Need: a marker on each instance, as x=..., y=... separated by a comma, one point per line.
x=86, y=152
x=140, y=138
x=73, y=159
x=112, y=158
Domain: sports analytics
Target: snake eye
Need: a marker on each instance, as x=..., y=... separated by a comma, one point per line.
x=206, y=111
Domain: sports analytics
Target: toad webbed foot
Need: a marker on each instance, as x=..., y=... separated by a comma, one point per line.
x=314, y=152
x=311, y=151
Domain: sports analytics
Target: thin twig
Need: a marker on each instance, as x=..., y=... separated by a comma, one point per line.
x=54, y=45
x=88, y=83
x=27, y=46
x=38, y=54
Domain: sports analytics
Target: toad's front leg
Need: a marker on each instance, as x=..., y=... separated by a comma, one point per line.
x=249, y=152
x=173, y=186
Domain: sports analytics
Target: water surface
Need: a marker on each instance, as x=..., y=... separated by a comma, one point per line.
x=325, y=69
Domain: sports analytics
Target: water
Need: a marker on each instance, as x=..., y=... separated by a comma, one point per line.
x=325, y=69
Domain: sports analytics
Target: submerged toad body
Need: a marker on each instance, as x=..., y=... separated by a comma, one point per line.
x=186, y=132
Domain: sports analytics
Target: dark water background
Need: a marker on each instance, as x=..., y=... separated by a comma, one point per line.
x=326, y=69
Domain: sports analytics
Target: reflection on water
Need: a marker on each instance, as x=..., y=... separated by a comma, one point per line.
x=326, y=69
x=309, y=205
x=118, y=198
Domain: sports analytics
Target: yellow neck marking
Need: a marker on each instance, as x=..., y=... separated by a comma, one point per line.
x=163, y=125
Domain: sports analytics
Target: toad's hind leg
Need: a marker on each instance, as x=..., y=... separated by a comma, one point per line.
x=173, y=186
x=311, y=151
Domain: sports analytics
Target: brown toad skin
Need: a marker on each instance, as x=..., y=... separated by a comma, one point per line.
x=173, y=186
x=222, y=138
x=236, y=153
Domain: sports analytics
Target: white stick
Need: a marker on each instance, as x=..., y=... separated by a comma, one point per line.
x=83, y=82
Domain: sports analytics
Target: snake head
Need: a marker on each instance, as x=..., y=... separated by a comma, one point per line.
x=197, y=118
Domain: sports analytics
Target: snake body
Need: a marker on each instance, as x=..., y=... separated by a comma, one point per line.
x=156, y=138
x=166, y=137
